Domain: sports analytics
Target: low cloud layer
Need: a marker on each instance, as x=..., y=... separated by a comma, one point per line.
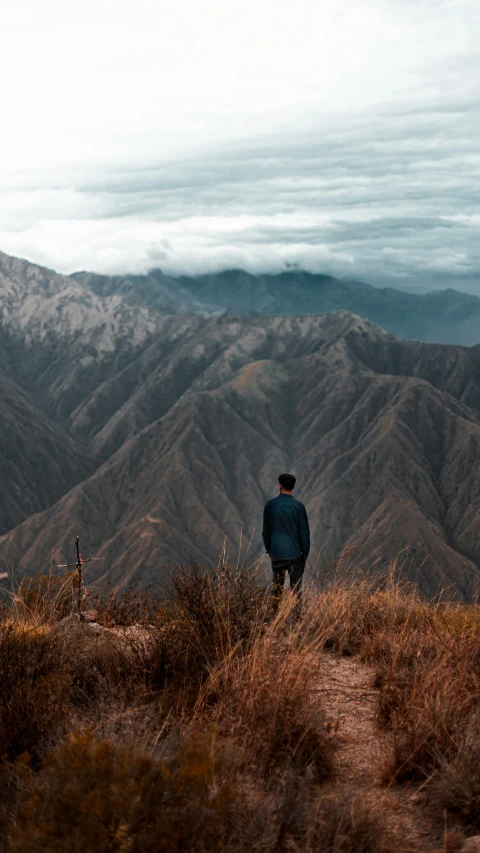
x=384, y=191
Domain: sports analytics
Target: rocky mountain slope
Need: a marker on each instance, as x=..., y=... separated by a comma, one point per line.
x=169, y=432
x=445, y=316
x=38, y=461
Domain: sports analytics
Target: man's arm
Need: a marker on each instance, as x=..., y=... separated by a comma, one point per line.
x=266, y=532
x=304, y=532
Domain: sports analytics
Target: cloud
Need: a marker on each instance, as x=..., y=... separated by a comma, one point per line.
x=348, y=144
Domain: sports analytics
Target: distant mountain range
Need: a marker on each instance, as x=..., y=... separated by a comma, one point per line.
x=156, y=431
x=445, y=316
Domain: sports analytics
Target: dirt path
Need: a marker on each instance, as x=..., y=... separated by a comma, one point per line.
x=346, y=688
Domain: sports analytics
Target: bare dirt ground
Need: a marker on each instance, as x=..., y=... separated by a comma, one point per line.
x=350, y=700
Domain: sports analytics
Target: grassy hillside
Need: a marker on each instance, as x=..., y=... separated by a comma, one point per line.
x=196, y=721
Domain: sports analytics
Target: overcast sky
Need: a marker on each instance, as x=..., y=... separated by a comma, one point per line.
x=336, y=135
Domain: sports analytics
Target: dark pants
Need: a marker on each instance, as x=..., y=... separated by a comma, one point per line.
x=295, y=569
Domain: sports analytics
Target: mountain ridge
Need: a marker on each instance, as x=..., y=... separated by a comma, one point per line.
x=181, y=426
x=444, y=316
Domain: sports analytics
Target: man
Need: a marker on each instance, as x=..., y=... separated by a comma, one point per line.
x=286, y=536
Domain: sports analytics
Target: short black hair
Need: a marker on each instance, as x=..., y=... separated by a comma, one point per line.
x=287, y=481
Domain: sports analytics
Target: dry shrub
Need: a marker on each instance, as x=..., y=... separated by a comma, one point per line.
x=456, y=786
x=345, y=824
x=220, y=604
x=97, y=797
x=128, y=607
x=265, y=701
x=399, y=658
x=211, y=614
x=45, y=599
x=429, y=688
x=34, y=688
x=427, y=667
x=458, y=620
x=204, y=656
x=335, y=822
x=362, y=608
x=8, y=795
x=105, y=666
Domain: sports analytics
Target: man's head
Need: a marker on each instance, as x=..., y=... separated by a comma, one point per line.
x=287, y=483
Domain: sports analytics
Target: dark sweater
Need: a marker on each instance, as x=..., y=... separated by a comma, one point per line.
x=286, y=533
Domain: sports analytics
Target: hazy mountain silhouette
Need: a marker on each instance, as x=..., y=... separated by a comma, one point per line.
x=445, y=316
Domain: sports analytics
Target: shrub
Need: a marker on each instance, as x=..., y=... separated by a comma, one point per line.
x=8, y=794
x=225, y=700
x=210, y=614
x=363, y=608
x=429, y=688
x=456, y=786
x=34, y=687
x=335, y=822
x=221, y=605
x=266, y=701
x=122, y=609
x=105, y=666
x=97, y=797
x=44, y=599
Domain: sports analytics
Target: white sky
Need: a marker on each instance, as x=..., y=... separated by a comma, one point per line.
x=140, y=133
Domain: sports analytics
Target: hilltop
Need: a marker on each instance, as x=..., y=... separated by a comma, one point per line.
x=196, y=721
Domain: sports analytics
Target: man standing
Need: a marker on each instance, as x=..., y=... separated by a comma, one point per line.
x=286, y=536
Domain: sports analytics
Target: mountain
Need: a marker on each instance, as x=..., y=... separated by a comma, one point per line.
x=58, y=339
x=446, y=316
x=38, y=462
x=158, y=436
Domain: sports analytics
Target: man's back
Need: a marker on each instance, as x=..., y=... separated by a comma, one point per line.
x=286, y=533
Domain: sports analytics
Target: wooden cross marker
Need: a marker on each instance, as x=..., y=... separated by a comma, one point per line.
x=78, y=564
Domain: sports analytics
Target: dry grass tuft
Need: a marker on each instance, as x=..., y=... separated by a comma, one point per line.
x=44, y=599
x=334, y=822
x=34, y=689
x=430, y=690
x=456, y=786
x=265, y=700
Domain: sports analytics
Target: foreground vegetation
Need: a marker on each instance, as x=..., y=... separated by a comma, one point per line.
x=191, y=721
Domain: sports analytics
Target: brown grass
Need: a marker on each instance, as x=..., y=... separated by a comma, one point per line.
x=456, y=786
x=427, y=662
x=98, y=796
x=34, y=687
x=44, y=599
x=333, y=822
x=265, y=700
x=197, y=725
x=430, y=693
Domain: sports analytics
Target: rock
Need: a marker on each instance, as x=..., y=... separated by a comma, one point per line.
x=69, y=623
x=89, y=616
x=93, y=629
x=76, y=624
x=472, y=845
